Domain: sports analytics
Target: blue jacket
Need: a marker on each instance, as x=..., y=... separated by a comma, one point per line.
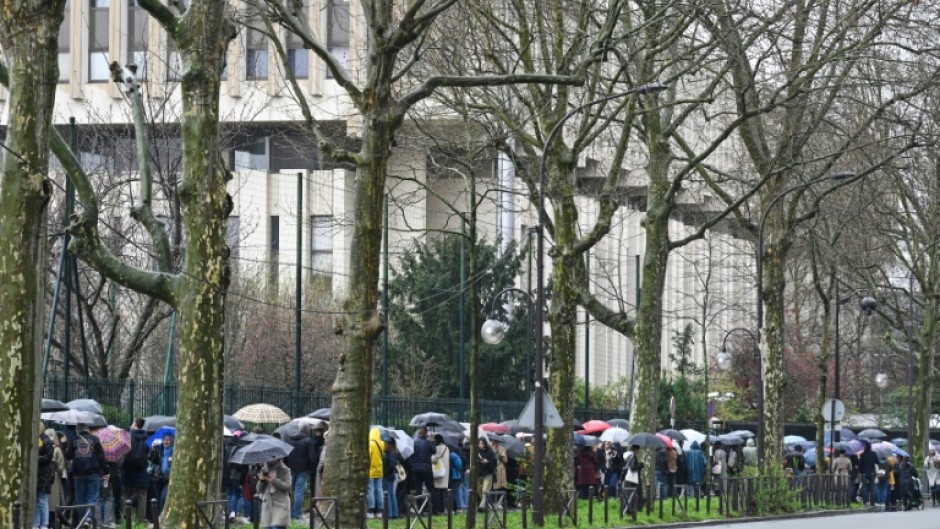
x=421, y=459
x=695, y=464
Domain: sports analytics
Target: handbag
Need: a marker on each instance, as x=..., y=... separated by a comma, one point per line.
x=632, y=477
x=438, y=470
x=402, y=475
x=716, y=468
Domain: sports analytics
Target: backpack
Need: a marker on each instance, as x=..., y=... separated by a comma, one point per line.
x=137, y=458
x=85, y=461
x=456, y=466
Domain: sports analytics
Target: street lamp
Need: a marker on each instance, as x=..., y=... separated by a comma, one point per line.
x=538, y=473
x=723, y=361
x=867, y=305
x=760, y=294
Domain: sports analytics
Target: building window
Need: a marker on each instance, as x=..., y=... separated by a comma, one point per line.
x=337, y=31
x=65, y=60
x=253, y=153
x=321, y=244
x=98, y=41
x=256, y=58
x=137, y=20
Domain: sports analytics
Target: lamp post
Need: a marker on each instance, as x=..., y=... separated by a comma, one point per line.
x=539, y=467
x=723, y=361
x=867, y=305
x=759, y=338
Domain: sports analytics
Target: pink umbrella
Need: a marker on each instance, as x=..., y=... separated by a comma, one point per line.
x=115, y=442
x=493, y=427
x=666, y=439
x=593, y=427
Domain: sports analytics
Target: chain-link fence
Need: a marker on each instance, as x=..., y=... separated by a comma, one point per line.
x=123, y=400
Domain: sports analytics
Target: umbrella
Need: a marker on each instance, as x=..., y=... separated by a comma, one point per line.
x=809, y=457
x=619, y=423
x=232, y=423
x=155, y=422
x=262, y=450
x=744, y=434
x=404, y=443
x=432, y=419
x=666, y=439
x=585, y=440
x=793, y=439
x=872, y=433
x=514, y=427
x=692, y=436
x=495, y=428
x=385, y=434
x=73, y=417
x=645, y=440
x=514, y=447
x=51, y=405
x=576, y=424
x=855, y=445
x=89, y=405
x=900, y=441
x=729, y=440
x=673, y=434
x=322, y=414
x=615, y=435
x=262, y=414
x=115, y=442
x=297, y=425
x=249, y=438
x=226, y=432
x=593, y=427
x=158, y=435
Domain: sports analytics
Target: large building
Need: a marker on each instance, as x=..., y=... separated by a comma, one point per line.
x=709, y=281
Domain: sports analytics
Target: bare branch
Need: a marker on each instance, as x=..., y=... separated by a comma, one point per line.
x=457, y=81
x=163, y=14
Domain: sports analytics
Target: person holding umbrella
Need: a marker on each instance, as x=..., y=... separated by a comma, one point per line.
x=161, y=463
x=45, y=477
x=89, y=466
x=274, y=486
x=632, y=471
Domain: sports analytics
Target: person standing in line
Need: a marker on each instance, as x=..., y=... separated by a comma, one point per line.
x=57, y=494
x=613, y=457
x=633, y=480
x=867, y=469
x=487, y=461
x=274, y=486
x=390, y=477
x=376, y=455
x=586, y=472
x=302, y=462
x=160, y=467
x=88, y=467
x=672, y=470
x=421, y=475
x=695, y=468
x=440, y=468
x=45, y=478
x=842, y=469
x=719, y=467
x=932, y=475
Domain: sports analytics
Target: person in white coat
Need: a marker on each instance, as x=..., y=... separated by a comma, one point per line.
x=440, y=458
x=932, y=473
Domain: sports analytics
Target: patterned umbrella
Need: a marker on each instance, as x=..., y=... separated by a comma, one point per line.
x=262, y=414
x=115, y=442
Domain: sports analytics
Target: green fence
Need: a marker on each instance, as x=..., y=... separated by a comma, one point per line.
x=125, y=399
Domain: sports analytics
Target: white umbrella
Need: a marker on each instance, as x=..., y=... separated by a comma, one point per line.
x=404, y=443
x=691, y=436
x=75, y=417
x=615, y=435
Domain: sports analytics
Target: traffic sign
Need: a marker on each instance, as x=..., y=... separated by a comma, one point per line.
x=549, y=411
x=827, y=410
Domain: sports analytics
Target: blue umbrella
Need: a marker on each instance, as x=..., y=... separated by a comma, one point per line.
x=793, y=439
x=900, y=441
x=810, y=457
x=158, y=436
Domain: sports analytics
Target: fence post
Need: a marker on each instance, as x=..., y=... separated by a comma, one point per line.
x=256, y=511
x=524, y=506
x=590, y=505
x=128, y=514
x=132, y=390
x=155, y=513
x=606, y=501
x=449, y=508
x=17, y=513
x=362, y=510
x=384, y=509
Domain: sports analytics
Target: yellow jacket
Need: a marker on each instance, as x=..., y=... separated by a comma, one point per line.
x=376, y=454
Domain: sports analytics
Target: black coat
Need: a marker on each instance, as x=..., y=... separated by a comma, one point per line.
x=867, y=462
x=421, y=458
x=46, y=472
x=304, y=457
x=487, y=461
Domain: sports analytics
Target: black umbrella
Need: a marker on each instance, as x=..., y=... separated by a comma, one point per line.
x=87, y=405
x=323, y=414
x=645, y=440
x=155, y=422
x=232, y=423
x=576, y=424
x=729, y=440
x=252, y=437
x=619, y=423
x=432, y=419
x=514, y=427
x=675, y=435
x=261, y=451
x=514, y=447
x=51, y=405
x=872, y=433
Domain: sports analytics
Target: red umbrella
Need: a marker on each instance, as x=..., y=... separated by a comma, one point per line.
x=593, y=427
x=115, y=442
x=666, y=439
x=496, y=428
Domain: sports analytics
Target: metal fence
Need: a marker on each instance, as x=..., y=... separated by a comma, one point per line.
x=123, y=400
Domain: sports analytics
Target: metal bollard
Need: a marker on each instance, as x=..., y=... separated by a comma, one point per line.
x=17, y=514
x=449, y=509
x=155, y=513
x=590, y=505
x=523, y=497
x=385, y=509
x=606, y=500
x=256, y=511
x=362, y=510
x=128, y=514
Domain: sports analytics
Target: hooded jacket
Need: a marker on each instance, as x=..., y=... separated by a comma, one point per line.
x=303, y=458
x=695, y=464
x=750, y=454
x=376, y=454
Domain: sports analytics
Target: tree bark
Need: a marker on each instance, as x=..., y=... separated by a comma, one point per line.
x=29, y=33
x=923, y=390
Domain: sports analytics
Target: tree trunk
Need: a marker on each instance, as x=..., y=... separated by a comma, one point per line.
x=201, y=291
x=772, y=343
x=29, y=33
x=923, y=390
x=822, y=379
x=473, y=326
x=361, y=325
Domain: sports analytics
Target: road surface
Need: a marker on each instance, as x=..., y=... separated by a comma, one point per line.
x=929, y=518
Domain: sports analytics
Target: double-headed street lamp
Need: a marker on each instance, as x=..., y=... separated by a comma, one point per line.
x=759, y=339
x=538, y=474
x=867, y=305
